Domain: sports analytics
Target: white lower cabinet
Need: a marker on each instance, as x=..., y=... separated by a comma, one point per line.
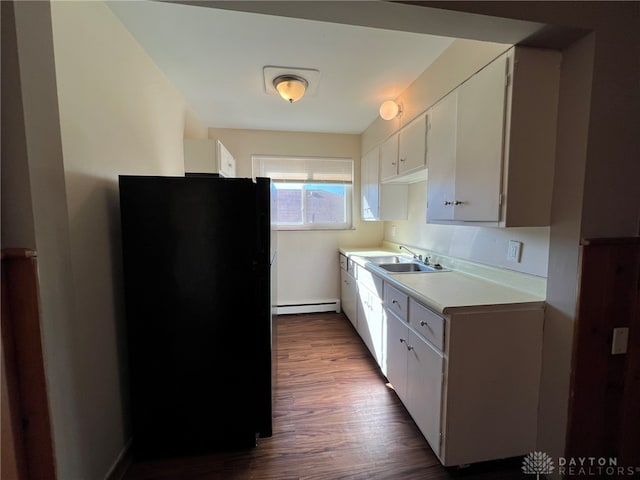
x=424, y=388
x=348, y=296
x=370, y=316
x=415, y=369
x=469, y=379
x=396, y=358
x=370, y=312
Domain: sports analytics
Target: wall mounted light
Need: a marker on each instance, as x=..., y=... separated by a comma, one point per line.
x=290, y=87
x=390, y=110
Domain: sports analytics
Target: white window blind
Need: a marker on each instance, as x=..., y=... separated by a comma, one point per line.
x=305, y=169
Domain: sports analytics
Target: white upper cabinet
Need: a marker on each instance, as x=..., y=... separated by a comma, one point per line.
x=491, y=144
x=208, y=156
x=465, y=154
x=441, y=156
x=380, y=202
x=402, y=156
x=411, y=146
x=369, y=184
x=389, y=158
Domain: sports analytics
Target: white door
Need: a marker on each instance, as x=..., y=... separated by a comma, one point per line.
x=389, y=158
x=227, y=164
x=411, y=146
x=441, y=158
x=424, y=388
x=369, y=185
x=480, y=142
x=348, y=293
x=396, y=354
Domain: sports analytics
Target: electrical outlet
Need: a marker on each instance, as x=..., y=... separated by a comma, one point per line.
x=514, y=251
x=393, y=231
x=620, y=340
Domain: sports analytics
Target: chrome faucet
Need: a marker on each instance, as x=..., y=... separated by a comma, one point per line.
x=417, y=257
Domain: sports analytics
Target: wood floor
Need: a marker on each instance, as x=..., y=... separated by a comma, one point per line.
x=334, y=419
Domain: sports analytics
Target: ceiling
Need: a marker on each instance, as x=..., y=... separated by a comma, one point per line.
x=216, y=57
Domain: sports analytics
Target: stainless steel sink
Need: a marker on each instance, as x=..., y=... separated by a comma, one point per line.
x=403, y=264
x=408, y=267
x=388, y=259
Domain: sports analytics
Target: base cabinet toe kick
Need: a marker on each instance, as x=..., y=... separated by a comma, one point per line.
x=469, y=377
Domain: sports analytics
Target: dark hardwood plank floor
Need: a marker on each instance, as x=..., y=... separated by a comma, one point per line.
x=335, y=418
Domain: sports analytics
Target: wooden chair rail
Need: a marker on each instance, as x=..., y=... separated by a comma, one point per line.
x=28, y=431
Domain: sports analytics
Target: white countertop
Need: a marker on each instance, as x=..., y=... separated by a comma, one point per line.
x=445, y=291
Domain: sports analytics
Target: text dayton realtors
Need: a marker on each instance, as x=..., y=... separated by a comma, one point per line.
x=593, y=466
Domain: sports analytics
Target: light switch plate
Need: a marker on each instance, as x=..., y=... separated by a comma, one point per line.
x=514, y=251
x=620, y=340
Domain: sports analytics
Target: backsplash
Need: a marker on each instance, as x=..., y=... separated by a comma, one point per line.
x=483, y=245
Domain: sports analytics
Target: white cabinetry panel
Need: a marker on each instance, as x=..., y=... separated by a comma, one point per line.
x=491, y=144
x=208, y=156
x=424, y=388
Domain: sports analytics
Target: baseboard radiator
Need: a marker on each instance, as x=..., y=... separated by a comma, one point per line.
x=311, y=307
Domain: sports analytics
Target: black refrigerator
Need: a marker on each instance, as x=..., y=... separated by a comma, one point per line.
x=197, y=278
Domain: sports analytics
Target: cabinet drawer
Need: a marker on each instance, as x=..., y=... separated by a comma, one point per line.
x=427, y=323
x=369, y=280
x=395, y=301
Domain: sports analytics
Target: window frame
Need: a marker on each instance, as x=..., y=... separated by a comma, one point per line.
x=259, y=167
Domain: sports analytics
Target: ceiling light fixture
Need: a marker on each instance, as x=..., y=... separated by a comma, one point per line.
x=390, y=110
x=290, y=87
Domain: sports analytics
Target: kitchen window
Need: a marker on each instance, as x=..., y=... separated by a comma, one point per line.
x=308, y=193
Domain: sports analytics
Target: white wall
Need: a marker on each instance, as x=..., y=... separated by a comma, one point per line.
x=562, y=288
x=307, y=260
x=116, y=114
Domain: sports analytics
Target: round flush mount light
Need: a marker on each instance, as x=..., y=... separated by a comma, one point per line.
x=290, y=87
x=390, y=110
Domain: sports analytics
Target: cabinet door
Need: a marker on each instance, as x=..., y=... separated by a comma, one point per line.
x=480, y=143
x=348, y=294
x=396, y=354
x=226, y=162
x=424, y=388
x=441, y=158
x=370, y=324
x=369, y=185
x=411, y=146
x=389, y=158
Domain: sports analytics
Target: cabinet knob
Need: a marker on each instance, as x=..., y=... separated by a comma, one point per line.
x=402, y=340
x=448, y=203
x=393, y=163
x=402, y=159
x=394, y=301
x=458, y=202
x=423, y=323
x=409, y=347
